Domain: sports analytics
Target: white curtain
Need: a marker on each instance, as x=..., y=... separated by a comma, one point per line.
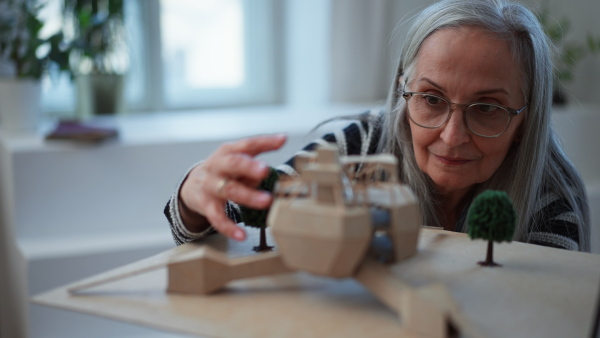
x=365, y=46
x=358, y=42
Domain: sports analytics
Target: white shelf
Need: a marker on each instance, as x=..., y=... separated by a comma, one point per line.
x=138, y=129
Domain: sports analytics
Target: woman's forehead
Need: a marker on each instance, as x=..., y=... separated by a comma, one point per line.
x=468, y=57
x=450, y=46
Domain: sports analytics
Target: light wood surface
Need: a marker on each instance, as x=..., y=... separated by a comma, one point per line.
x=539, y=292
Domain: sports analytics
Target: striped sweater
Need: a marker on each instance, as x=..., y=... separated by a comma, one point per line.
x=554, y=214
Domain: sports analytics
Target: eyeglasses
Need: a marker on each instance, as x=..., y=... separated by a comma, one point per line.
x=483, y=119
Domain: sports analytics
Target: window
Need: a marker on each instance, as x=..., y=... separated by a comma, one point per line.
x=187, y=54
x=58, y=93
x=216, y=52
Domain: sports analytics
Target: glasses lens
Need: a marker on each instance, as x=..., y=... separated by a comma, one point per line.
x=428, y=110
x=487, y=120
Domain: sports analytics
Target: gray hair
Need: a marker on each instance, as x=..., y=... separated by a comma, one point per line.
x=535, y=162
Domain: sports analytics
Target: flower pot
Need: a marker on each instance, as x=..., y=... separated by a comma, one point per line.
x=20, y=104
x=99, y=94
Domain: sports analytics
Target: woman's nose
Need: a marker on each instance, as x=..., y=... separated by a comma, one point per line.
x=455, y=131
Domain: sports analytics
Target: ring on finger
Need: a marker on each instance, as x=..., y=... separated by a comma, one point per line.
x=221, y=187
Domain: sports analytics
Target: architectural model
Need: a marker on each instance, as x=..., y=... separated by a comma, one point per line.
x=343, y=217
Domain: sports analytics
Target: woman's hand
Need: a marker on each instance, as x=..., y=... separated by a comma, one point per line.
x=230, y=173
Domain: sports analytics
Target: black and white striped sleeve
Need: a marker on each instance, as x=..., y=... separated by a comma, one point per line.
x=360, y=137
x=555, y=223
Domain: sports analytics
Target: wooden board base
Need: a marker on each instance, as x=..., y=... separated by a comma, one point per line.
x=539, y=292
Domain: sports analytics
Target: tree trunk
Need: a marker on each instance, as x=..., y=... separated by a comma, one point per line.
x=489, y=258
x=263, y=242
x=263, y=238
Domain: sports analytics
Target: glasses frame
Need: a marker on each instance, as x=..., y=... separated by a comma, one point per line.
x=451, y=107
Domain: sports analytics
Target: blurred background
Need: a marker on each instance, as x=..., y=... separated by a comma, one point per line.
x=198, y=54
x=175, y=78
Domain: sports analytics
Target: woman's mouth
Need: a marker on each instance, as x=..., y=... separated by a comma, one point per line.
x=452, y=160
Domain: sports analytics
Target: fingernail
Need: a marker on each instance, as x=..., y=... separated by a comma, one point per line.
x=263, y=197
x=260, y=167
x=276, y=136
x=238, y=235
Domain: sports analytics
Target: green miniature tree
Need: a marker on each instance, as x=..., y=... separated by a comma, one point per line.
x=492, y=217
x=258, y=218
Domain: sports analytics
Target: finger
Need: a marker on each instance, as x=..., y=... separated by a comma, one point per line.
x=255, y=145
x=239, y=166
x=215, y=213
x=244, y=195
x=250, y=182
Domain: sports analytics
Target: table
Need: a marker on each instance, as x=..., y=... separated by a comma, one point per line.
x=539, y=292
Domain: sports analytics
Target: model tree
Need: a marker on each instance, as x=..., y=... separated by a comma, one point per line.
x=492, y=217
x=258, y=218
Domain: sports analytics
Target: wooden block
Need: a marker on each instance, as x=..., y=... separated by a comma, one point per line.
x=206, y=271
x=328, y=241
x=302, y=160
x=328, y=154
x=378, y=279
x=209, y=270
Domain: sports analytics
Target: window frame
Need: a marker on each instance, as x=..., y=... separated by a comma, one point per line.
x=260, y=61
x=262, y=80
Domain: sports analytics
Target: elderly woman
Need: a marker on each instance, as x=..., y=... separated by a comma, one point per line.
x=468, y=110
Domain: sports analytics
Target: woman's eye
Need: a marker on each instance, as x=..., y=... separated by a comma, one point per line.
x=432, y=99
x=486, y=108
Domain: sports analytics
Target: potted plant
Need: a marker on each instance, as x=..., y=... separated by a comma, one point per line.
x=24, y=58
x=96, y=31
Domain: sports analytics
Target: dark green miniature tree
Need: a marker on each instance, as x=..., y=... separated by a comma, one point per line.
x=492, y=217
x=258, y=218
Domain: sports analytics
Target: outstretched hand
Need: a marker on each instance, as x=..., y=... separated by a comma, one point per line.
x=230, y=173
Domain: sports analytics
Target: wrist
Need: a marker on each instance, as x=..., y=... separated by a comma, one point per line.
x=192, y=220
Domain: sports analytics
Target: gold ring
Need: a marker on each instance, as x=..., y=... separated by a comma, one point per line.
x=221, y=186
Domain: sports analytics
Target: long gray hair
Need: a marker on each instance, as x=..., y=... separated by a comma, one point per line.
x=535, y=162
